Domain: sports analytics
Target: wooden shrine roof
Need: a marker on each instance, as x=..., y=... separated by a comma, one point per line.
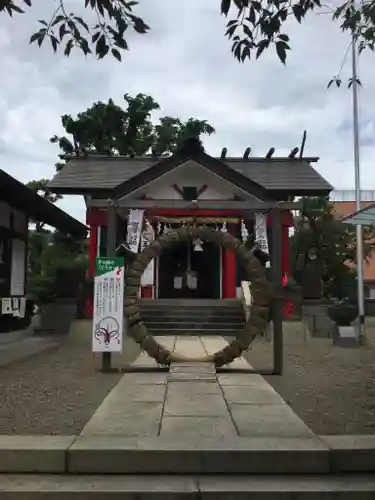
x=99, y=175
x=20, y=197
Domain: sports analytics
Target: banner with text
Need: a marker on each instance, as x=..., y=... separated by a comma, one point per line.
x=108, y=310
x=134, y=230
x=261, y=233
x=148, y=235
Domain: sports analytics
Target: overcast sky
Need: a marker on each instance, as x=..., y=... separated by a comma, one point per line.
x=185, y=63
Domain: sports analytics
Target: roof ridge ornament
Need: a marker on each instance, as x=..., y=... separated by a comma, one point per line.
x=192, y=146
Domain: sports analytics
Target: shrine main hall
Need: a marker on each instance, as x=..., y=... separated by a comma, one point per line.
x=189, y=187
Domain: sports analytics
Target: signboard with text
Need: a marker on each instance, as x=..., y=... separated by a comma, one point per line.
x=108, y=305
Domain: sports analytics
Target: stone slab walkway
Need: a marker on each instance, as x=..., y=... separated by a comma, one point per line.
x=193, y=401
x=190, y=420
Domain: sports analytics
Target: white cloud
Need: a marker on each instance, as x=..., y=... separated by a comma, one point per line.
x=185, y=63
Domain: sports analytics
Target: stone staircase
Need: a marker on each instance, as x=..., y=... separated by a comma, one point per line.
x=193, y=316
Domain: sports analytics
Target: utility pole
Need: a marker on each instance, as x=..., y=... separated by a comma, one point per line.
x=359, y=232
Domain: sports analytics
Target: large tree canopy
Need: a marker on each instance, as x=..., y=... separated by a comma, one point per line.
x=255, y=25
x=108, y=128
x=320, y=232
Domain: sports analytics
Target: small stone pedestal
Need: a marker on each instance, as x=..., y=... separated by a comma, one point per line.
x=346, y=336
x=316, y=319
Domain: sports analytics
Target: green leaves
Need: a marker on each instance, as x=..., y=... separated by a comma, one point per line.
x=102, y=47
x=39, y=36
x=352, y=80
x=281, y=48
x=106, y=37
x=337, y=81
x=108, y=128
x=260, y=25
x=10, y=7
x=334, y=241
x=116, y=54
x=255, y=27
x=262, y=45
x=225, y=6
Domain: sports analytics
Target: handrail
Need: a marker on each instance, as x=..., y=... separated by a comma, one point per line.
x=246, y=298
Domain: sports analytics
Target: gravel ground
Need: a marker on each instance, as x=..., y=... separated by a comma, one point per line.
x=331, y=388
x=52, y=393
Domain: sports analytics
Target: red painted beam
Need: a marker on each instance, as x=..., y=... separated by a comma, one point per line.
x=171, y=212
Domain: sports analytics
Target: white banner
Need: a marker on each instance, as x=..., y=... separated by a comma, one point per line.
x=134, y=230
x=108, y=314
x=261, y=233
x=147, y=277
x=17, y=273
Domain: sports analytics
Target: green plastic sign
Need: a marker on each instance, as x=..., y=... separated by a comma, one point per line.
x=105, y=265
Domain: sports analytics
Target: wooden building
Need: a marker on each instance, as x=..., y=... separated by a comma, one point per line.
x=189, y=187
x=18, y=206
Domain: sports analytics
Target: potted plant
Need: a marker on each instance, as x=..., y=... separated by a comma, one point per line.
x=56, y=296
x=343, y=313
x=40, y=289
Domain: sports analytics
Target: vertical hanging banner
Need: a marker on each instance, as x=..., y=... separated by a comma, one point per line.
x=261, y=233
x=148, y=235
x=108, y=311
x=134, y=230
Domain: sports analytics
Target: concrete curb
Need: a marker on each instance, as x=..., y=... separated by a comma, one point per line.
x=34, y=454
x=132, y=487
x=116, y=455
x=104, y=455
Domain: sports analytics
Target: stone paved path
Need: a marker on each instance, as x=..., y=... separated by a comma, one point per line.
x=193, y=401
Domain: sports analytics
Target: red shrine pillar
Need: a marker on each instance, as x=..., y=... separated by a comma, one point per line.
x=147, y=292
x=229, y=271
x=93, y=242
x=288, y=222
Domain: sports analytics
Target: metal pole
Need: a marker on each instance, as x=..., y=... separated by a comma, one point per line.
x=277, y=306
x=111, y=252
x=359, y=233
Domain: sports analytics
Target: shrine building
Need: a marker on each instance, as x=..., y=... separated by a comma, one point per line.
x=189, y=187
x=19, y=205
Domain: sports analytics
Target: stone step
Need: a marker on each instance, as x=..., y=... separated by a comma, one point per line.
x=98, y=454
x=193, y=317
x=229, y=332
x=114, y=454
x=132, y=487
x=190, y=302
x=197, y=325
x=197, y=310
